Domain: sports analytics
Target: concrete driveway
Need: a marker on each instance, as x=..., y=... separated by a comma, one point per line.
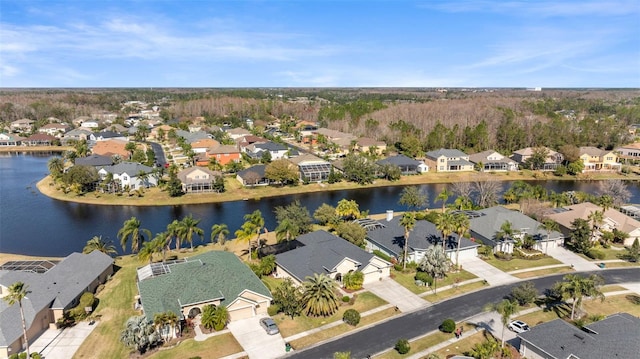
x=486, y=271
x=62, y=343
x=394, y=293
x=254, y=339
x=567, y=257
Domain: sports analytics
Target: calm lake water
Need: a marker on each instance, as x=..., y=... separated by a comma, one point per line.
x=33, y=224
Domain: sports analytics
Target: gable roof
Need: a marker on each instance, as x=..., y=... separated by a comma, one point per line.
x=321, y=253
x=446, y=152
x=94, y=160
x=130, y=168
x=487, y=222
x=270, y=146
x=111, y=147
x=482, y=157
x=613, y=337
x=258, y=169
x=399, y=160
x=620, y=221
x=183, y=175
x=390, y=235
x=307, y=158
x=205, y=277
x=222, y=149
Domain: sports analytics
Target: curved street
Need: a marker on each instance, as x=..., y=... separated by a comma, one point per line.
x=383, y=336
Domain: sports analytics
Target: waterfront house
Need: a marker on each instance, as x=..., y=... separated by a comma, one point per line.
x=387, y=236
x=324, y=253
x=312, y=168
x=492, y=161
x=216, y=278
x=612, y=219
x=22, y=125
x=407, y=165
x=39, y=139
x=130, y=175
x=449, y=160
x=486, y=226
x=253, y=176
x=8, y=139
x=595, y=159
x=54, y=288
x=552, y=160
x=94, y=161
x=630, y=153
x=198, y=179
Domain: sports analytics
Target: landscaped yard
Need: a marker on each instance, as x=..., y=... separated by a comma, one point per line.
x=613, y=252
x=214, y=347
x=543, y=272
x=424, y=343
x=518, y=263
x=364, y=302
x=406, y=279
x=448, y=293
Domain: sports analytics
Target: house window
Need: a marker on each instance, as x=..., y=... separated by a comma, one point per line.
x=442, y=160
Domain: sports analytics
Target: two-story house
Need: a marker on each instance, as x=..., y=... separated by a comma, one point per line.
x=449, y=160
x=629, y=153
x=552, y=160
x=130, y=175
x=595, y=159
x=198, y=179
x=492, y=161
x=22, y=125
x=54, y=129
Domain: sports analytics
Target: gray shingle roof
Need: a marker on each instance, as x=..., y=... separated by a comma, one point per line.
x=258, y=169
x=130, y=168
x=399, y=160
x=613, y=337
x=321, y=253
x=271, y=146
x=94, y=160
x=423, y=236
x=446, y=152
x=56, y=288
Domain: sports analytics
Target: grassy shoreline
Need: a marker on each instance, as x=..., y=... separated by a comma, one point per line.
x=236, y=192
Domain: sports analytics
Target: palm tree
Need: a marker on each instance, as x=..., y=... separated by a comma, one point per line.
x=506, y=231
x=461, y=225
x=548, y=225
x=56, y=167
x=506, y=309
x=173, y=231
x=436, y=263
x=152, y=247
x=189, y=227
x=286, y=230
x=219, y=233
x=17, y=292
x=596, y=218
x=575, y=286
x=139, y=334
x=445, y=223
x=97, y=244
x=253, y=225
x=131, y=231
x=162, y=240
x=245, y=233
x=408, y=221
x=444, y=197
x=318, y=297
x=160, y=321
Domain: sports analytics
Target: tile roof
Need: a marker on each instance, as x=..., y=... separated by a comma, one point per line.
x=205, y=277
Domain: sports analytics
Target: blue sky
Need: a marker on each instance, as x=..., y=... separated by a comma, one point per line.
x=350, y=43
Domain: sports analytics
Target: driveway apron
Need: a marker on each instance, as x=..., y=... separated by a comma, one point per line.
x=62, y=343
x=394, y=293
x=254, y=339
x=567, y=257
x=486, y=271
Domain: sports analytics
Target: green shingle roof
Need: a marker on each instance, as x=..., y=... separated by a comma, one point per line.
x=205, y=277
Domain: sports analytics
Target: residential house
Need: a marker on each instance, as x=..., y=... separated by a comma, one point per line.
x=612, y=219
x=54, y=288
x=613, y=337
x=407, y=165
x=237, y=132
x=216, y=278
x=595, y=159
x=22, y=125
x=492, y=161
x=108, y=135
x=312, y=168
x=369, y=145
x=203, y=145
x=75, y=135
x=629, y=153
x=54, y=129
x=116, y=127
x=94, y=161
x=387, y=236
x=155, y=132
x=253, y=176
x=276, y=150
x=130, y=175
x=486, y=226
x=191, y=137
x=111, y=148
x=225, y=154
x=551, y=162
x=8, y=139
x=39, y=139
x=78, y=121
x=91, y=124
x=449, y=160
x=198, y=179
x=324, y=253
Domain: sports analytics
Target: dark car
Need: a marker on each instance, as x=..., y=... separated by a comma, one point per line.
x=269, y=326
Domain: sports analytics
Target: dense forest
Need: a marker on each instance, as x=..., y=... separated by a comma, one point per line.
x=414, y=120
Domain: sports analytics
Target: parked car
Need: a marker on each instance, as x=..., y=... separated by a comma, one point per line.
x=518, y=326
x=269, y=326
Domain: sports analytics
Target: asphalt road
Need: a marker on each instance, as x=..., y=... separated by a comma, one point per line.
x=384, y=335
x=159, y=152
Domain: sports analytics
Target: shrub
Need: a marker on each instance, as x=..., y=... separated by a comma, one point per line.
x=448, y=326
x=342, y=355
x=398, y=267
x=353, y=280
x=346, y=299
x=382, y=255
x=22, y=355
x=351, y=317
x=86, y=300
x=595, y=254
x=36, y=355
x=424, y=277
x=273, y=309
x=525, y=293
x=402, y=346
x=503, y=255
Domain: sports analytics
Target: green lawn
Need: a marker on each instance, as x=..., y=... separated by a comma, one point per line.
x=424, y=343
x=214, y=347
x=613, y=252
x=406, y=279
x=518, y=263
x=543, y=272
x=442, y=295
x=364, y=302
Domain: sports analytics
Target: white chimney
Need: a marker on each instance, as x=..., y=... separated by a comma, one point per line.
x=389, y=215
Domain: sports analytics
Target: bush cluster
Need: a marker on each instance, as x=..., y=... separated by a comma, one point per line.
x=424, y=277
x=351, y=317
x=402, y=346
x=448, y=326
x=503, y=255
x=595, y=254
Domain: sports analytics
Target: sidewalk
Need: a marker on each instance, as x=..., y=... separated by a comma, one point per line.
x=486, y=271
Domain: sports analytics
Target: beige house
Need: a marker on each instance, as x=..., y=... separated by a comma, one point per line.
x=54, y=288
x=613, y=219
x=595, y=159
x=198, y=179
x=22, y=125
x=449, y=160
x=552, y=161
x=367, y=145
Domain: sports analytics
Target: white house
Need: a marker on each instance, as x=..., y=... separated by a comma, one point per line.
x=129, y=174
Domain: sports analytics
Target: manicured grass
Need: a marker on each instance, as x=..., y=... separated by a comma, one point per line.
x=365, y=301
x=341, y=329
x=215, y=347
x=614, y=252
x=460, y=347
x=612, y=288
x=439, y=296
x=424, y=343
x=406, y=279
x=519, y=263
x=621, y=264
x=542, y=272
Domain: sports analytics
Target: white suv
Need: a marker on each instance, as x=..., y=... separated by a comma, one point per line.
x=518, y=326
